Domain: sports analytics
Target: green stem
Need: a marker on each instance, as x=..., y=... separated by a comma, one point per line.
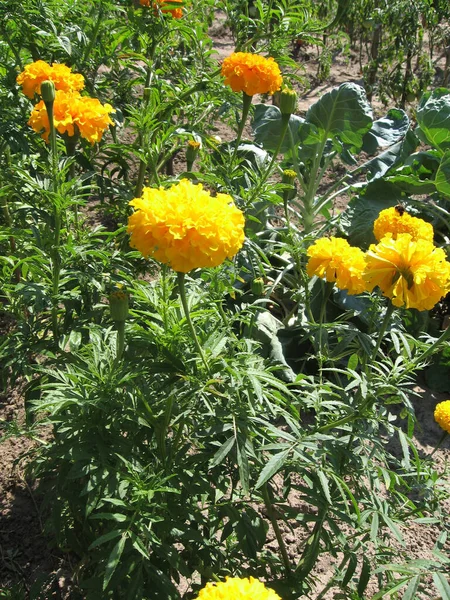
x=120, y=326
x=247, y=102
x=94, y=35
x=71, y=143
x=57, y=216
x=271, y=514
x=182, y=292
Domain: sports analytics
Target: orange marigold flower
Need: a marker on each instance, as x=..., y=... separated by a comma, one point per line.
x=185, y=227
x=337, y=261
x=35, y=73
x=413, y=273
x=442, y=415
x=396, y=220
x=72, y=114
x=235, y=588
x=176, y=13
x=251, y=73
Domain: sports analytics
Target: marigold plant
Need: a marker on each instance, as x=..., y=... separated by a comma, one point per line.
x=442, y=415
x=413, y=273
x=176, y=13
x=337, y=261
x=35, y=73
x=73, y=113
x=396, y=220
x=251, y=73
x=234, y=588
x=186, y=227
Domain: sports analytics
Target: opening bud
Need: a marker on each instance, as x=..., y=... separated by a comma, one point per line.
x=48, y=91
x=118, y=304
x=288, y=101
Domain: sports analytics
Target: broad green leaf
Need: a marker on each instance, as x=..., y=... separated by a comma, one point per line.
x=273, y=465
x=267, y=126
x=113, y=560
x=361, y=212
x=242, y=461
x=433, y=118
x=343, y=113
x=364, y=576
x=395, y=155
x=442, y=180
x=386, y=131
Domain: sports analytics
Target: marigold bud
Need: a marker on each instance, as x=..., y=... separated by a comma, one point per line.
x=48, y=91
x=288, y=101
x=257, y=286
x=192, y=150
x=289, y=176
x=118, y=304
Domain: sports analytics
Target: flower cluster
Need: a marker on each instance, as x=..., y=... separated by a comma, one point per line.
x=35, y=73
x=73, y=113
x=176, y=13
x=234, y=588
x=251, y=73
x=442, y=415
x=185, y=227
x=396, y=221
x=404, y=264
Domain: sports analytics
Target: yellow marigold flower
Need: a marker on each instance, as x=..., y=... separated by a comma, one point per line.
x=72, y=114
x=251, y=73
x=35, y=73
x=413, y=273
x=442, y=415
x=176, y=13
x=185, y=227
x=234, y=588
x=396, y=220
x=337, y=261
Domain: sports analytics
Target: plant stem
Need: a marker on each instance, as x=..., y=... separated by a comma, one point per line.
x=271, y=514
x=71, y=143
x=247, y=102
x=182, y=292
x=56, y=256
x=120, y=326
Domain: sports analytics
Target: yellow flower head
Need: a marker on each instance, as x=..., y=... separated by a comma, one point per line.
x=442, y=415
x=185, y=227
x=73, y=113
x=337, y=261
x=413, y=273
x=35, y=73
x=234, y=588
x=176, y=13
x=251, y=73
x=396, y=220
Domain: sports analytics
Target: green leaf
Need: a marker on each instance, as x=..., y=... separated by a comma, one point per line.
x=343, y=113
x=412, y=588
x=267, y=126
x=433, y=118
x=222, y=452
x=242, y=461
x=442, y=180
x=272, y=466
x=105, y=538
x=386, y=131
x=442, y=585
x=361, y=212
x=395, y=155
x=113, y=561
x=364, y=576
